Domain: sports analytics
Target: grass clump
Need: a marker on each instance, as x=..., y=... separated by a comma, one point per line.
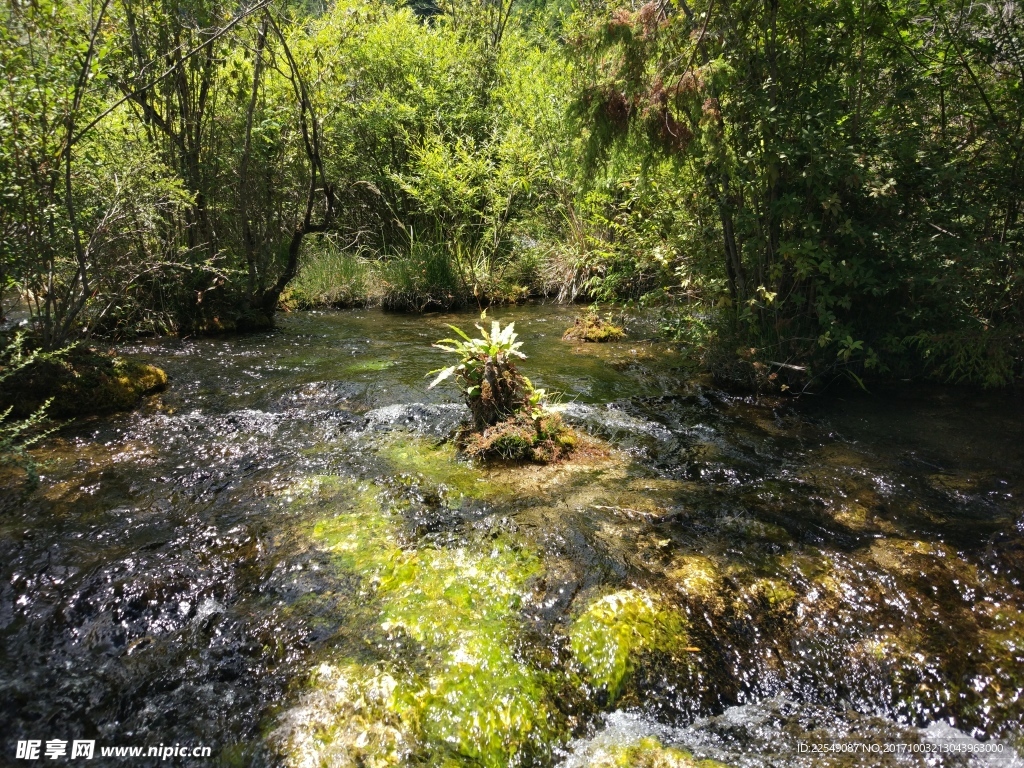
x=423, y=277
x=613, y=631
x=331, y=278
x=591, y=327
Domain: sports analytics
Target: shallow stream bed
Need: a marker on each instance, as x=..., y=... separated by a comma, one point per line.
x=281, y=558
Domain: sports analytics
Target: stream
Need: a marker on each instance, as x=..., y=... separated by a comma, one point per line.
x=283, y=559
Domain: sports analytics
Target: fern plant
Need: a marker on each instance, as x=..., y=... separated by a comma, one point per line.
x=487, y=376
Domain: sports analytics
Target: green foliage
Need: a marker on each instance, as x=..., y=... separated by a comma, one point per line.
x=18, y=435
x=847, y=175
x=838, y=183
x=687, y=327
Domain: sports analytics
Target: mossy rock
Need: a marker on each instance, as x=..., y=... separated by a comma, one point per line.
x=591, y=328
x=544, y=440
x=83, y=382
x=697, y=577
x=464, y=696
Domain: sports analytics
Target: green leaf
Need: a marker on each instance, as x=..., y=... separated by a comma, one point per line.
x=443, y=374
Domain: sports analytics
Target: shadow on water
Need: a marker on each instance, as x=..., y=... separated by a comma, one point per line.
x=279, y=559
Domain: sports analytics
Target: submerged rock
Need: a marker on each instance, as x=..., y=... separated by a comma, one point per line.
x=629, y=740
x=444, y=683
x=779, y=732
x=422, y=418
x=782, y=733
x=613, y=424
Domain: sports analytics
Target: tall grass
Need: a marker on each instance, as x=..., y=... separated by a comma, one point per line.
x=425, y=276
x=331, y=277
x=422, y=275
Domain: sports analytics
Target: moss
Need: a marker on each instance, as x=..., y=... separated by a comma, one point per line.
x=591, y=328
x=696, y=577
x=544, y=440
x=775, y=593
x=438, y=465
x=614, y=630
x=83, y=382
x=648, y=752
x=466, y=697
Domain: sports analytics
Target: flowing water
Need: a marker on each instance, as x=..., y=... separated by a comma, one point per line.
x=282, y=559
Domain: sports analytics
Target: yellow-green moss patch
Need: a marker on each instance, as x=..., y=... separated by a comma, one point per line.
x=437, y=465
x=696, y=577
x=608, y=637
x=466, y=698
x=591, y=327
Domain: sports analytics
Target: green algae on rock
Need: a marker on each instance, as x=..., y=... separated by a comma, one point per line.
x=465, y=697
x=437, y=465
x=611, y=633
x=697, y=577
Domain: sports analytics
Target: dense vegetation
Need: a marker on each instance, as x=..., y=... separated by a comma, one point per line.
x=831, y=187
